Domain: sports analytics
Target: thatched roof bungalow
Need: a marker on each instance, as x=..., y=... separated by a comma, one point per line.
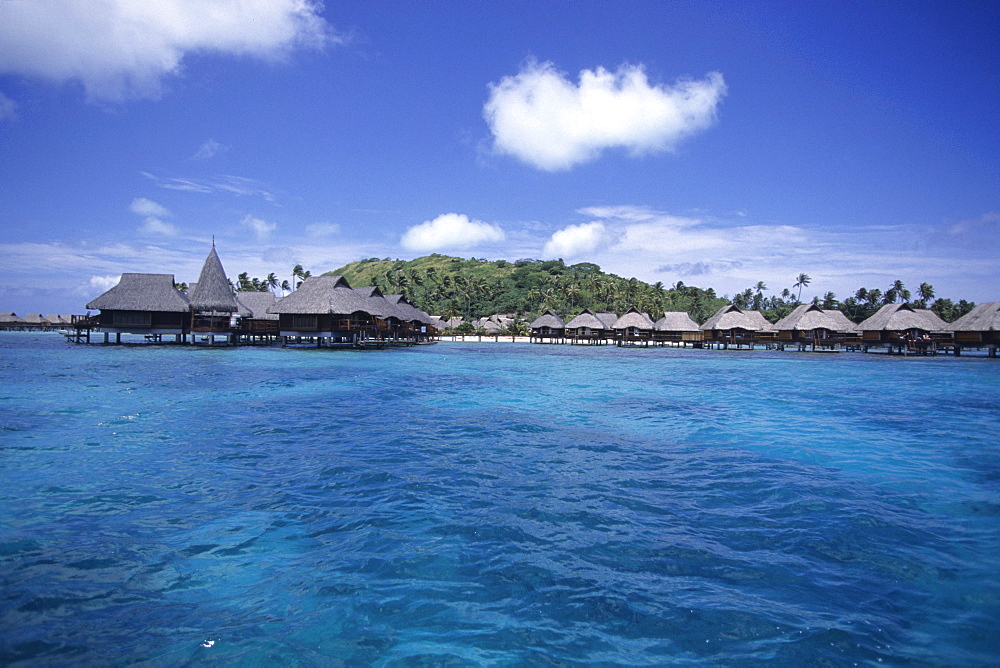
x=676, y=327
x=143, y=304
x=980, y=326
x=904, y=327
x=547, y=326
x=10, y=320
x=254, y=305
x=808, y=324
x=731, y=325
x=590, y=327
x=633, y=327
x=409, y=313
x=324, y=307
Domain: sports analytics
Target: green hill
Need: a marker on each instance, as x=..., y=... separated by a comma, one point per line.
x=473, y=288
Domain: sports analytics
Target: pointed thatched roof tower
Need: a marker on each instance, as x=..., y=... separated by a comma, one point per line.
x=213, y=294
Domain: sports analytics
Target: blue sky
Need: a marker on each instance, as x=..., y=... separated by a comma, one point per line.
x=718, y=144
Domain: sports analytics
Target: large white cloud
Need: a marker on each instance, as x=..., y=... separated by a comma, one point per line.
x=450, y=231
x=547, y=121
x=121, y=49
x=575, y=240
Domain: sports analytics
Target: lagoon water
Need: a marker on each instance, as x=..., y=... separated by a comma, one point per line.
x=465, y=504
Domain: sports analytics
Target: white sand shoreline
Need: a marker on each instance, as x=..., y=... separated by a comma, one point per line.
x=475, y=338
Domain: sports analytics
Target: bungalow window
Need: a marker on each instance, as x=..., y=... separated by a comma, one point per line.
x=304, y=321
x=132, y=318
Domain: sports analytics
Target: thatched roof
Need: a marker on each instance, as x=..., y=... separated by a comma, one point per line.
x=840, y=319
x=676, y=321
x=213, y=293
x=587, y=319
x=808, y=317
x=143, y=292
x=983, y=318
x=324, y=294
x=548, y=319
x=408, y=312
x=607, y=318
x=633, y=318
x=377, y=303
x=898, y=317
x=35, y=319
x=255, y=304
x=733, y=317
x=57, y=319
x=9, y=317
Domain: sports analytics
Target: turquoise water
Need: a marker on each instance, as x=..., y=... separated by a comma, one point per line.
x=505, y=504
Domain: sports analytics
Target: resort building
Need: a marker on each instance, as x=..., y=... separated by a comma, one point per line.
x=254, y=323
x=676, y=327
x=811, y=327
x=633, y=329
x=591, y=328
x=212, y=301
x=145, y=304
x=905, y=330
x=733, y=326
x=547, y=328
x=979, y=328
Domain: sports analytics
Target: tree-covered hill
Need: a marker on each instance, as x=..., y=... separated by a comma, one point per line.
x=473, y=288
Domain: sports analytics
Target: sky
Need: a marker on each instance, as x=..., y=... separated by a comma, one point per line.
x=714, y=143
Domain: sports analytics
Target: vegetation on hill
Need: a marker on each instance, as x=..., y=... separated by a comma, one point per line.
x=474, y=288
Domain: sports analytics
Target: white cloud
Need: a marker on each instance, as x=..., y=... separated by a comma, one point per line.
x=547, y=121
x=575, y=240
x=103, y=283
x=122, y=49
x=260, y=228
x=450, y=231
x=321, y=230
x=226, y=183
x=147, y=207
x=155, y=226
x=209, y=149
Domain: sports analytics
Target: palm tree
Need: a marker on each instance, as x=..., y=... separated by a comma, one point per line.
x=298, y=272
x=926, y=292
x=272, y=281
x=801, y=281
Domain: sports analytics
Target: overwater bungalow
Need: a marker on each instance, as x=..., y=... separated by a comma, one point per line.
x=633, y=328
x=145, y=304
x=676, y=327
x=905, y=330
x=811, y=327
x=591, y=328
x=325, y=310
x=415, y=323
x=10, y=320
x=547, y=328
x=212, y=301
x=979, y=328
x=732, y=326
x=254, y=323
